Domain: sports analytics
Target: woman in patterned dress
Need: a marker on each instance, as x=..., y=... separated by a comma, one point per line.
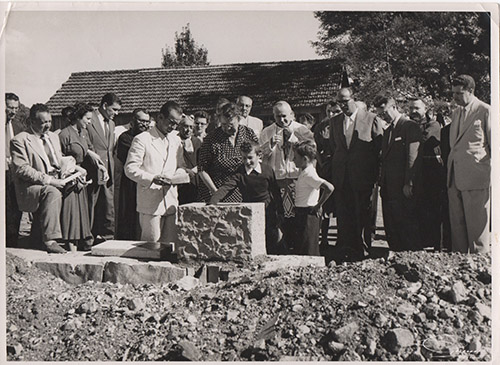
x=220, y=153
x=75, y=222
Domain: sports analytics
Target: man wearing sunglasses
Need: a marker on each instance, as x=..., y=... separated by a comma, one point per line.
x=155, y=162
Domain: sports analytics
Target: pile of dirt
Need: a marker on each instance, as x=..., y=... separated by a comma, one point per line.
x=411, y=306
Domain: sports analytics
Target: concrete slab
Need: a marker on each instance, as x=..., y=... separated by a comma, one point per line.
x=276, y=262
x=132, y=249
x=79, y=267
x=223, y=232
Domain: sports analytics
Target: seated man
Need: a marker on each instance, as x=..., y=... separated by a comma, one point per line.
x=36, y=160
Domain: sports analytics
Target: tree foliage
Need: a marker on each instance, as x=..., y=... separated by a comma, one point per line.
x=411, y=53
x=186, y=51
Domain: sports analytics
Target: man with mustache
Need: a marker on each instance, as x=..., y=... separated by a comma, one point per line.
x=36, y=160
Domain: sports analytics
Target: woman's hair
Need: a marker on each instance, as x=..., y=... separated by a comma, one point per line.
x=307, y=149
x=80, y=109
x=230, y=110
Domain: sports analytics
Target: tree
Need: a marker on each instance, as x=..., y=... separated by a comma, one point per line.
x=411, y=53
x=186, y=51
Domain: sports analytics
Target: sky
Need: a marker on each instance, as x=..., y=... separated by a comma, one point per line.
x=44, y=47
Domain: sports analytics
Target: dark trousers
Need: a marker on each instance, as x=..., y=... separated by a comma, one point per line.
x=12, y=213
x=371, y=226
x=445, y=216
x=430, y=217
x=400, y=221
x=353, y=219
x=306, y=240
x=46, y=220
x=101, y=210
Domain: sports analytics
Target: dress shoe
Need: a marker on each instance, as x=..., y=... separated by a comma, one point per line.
x=54, y=247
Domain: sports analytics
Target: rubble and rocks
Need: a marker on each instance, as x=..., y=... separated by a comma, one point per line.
x=406, y=307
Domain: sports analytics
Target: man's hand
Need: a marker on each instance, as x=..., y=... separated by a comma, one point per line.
x=160, y=180
x=57, y=183
x=408, y=191
x=191, y=173
x=277, y=139
x=325, y=133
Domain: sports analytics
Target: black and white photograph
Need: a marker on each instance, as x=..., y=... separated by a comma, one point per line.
x=250, y=181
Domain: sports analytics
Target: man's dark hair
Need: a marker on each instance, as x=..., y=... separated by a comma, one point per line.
x=466, y=81
x=201, y=114
x=79, y=110
x=382, y=99
x=230, y=110
x=139, y=110
x=249, y=146
x=11, y=96
x=306, y=148
x=110, y=99
x=169, y=106
x=67, y=111
x=38, y=108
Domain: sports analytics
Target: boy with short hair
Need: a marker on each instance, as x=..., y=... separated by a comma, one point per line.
x=311, y=192
x=257, y=184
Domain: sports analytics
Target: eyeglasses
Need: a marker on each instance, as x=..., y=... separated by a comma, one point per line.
x=200, y=123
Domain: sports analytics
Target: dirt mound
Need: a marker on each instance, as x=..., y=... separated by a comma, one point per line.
x=411, y=306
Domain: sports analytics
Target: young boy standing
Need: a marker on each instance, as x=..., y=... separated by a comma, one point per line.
x=257, y=184
x=311, y=192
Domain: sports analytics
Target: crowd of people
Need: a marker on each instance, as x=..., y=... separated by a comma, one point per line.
x=93, y=181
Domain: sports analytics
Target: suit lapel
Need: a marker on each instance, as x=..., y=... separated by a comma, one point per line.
x=394, y=135
x=158, y=143
x=36, y=147
x=96, y=124
x=467, y=122
x=337, y=128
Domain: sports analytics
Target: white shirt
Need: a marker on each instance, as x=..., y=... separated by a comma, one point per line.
x=349, y=126
x=102, y=122
x=257, y=169
x=283, y=166
x=254, y=123
x=307, y=187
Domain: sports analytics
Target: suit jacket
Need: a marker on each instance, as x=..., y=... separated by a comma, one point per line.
x=470, y=151
x=361, y=158
x=148, y=156
x=102, y=146
x=400, y=165
x=31, y=166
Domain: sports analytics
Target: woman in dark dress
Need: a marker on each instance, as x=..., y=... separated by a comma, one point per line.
x=220, y=153
x=75, y=222
x=127, y=226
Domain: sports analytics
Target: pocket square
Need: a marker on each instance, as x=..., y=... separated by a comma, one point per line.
x=397, y=139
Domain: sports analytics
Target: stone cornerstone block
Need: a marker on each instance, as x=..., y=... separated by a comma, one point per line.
x=226, y=232
x=132, y=249
x=142, y=273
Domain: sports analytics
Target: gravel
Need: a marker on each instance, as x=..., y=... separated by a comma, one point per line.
x=411, y=306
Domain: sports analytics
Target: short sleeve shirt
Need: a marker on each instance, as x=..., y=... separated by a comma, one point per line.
x=307, y=187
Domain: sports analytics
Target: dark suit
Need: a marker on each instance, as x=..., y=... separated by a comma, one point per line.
x=433, y=185
x=30, y=165
x=101, y=200
x=400, y=166
x=354, y=171
x=188, y=193
x=445, y=213
x=13, y=214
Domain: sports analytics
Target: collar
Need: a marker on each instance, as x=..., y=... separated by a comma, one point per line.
x=468, y=106
x=100, y=117
x=396, y=121
x=39, y=135
x=308, y=167
x=257, y=168
x=162, y=136
x=353, y=115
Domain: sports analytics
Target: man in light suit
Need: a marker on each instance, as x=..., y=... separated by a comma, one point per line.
x=399, y=176
x=355, y=139
x=153, y=159
x=36, y=160
x=245, y=104
x=469, y=169
x=100, y=192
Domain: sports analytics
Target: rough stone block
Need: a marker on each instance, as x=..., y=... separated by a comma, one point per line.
x=142, y=273
x=132, y=249
x=225, y=232
x=71, y=273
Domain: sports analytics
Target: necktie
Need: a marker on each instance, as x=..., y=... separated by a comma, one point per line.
x=49, y=150
x=106, y=128
x=390, y=128
x=349, y=124
x=461, y=117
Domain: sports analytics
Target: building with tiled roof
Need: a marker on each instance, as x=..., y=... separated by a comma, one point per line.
x=306, y=85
